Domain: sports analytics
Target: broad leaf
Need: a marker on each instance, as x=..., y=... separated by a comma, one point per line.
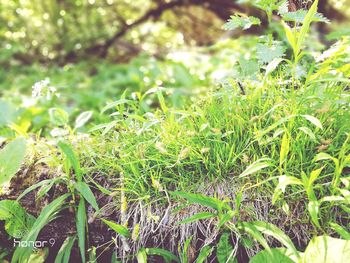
x=327, y=249
x=277, y=255
x=224, y=249
x=244, y=22
x=17, y=221
x=11, y=158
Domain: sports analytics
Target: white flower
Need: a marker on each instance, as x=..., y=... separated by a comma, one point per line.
x=38, y=87
x=42, y=88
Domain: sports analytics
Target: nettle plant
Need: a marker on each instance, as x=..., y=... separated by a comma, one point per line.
x=271, y=53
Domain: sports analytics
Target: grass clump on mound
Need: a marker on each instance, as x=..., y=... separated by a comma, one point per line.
x=257, y=169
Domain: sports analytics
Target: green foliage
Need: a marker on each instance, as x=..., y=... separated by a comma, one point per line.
x=81, y=228
x=224, y=250
x=268, y=145
x=244, y=22
x=278, y=255
x=326, y=249
x=48, y=213
x=63, y=254
x=11, y=158
x=120, y=229
x=17, y=221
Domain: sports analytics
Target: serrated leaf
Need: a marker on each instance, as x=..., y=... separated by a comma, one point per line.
x=244, y=22
x=299, y=16
x=17, y=221
x=224, y=249
x=267, y=53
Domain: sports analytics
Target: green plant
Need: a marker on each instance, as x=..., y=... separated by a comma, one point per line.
x=11, y=158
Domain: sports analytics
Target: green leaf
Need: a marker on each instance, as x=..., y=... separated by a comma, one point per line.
x=256, y=166
x=82, y=119
x=340, y=230
x=244, y=22
x=313, y=209
x=58, y=116
x=283, y=182
x=120, y=229
x=49, y=212
x=313, y=120
x=197, y=217
x=68, y=151
x=284, y=148
x=267, y=53
x=8, y=113
x=277, y=255
x=86, y=192
x=81, y=228
x=168, y=256
x=291, y=38
x=256, y=228
x=35, y=186
x=272, y=66
x=17, y=221
x=324, y=156
x=224, y=249
x=11, y=158
x=327, y=249
x=204, y=253
x=141, y=256
x=115, y=104
x=203, y=200
x=308, y=132
x=63, y=254
x=306, y=24
x=300, y=15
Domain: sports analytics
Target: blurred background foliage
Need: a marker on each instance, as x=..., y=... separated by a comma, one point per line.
x=61, y=31
x=94, y=50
